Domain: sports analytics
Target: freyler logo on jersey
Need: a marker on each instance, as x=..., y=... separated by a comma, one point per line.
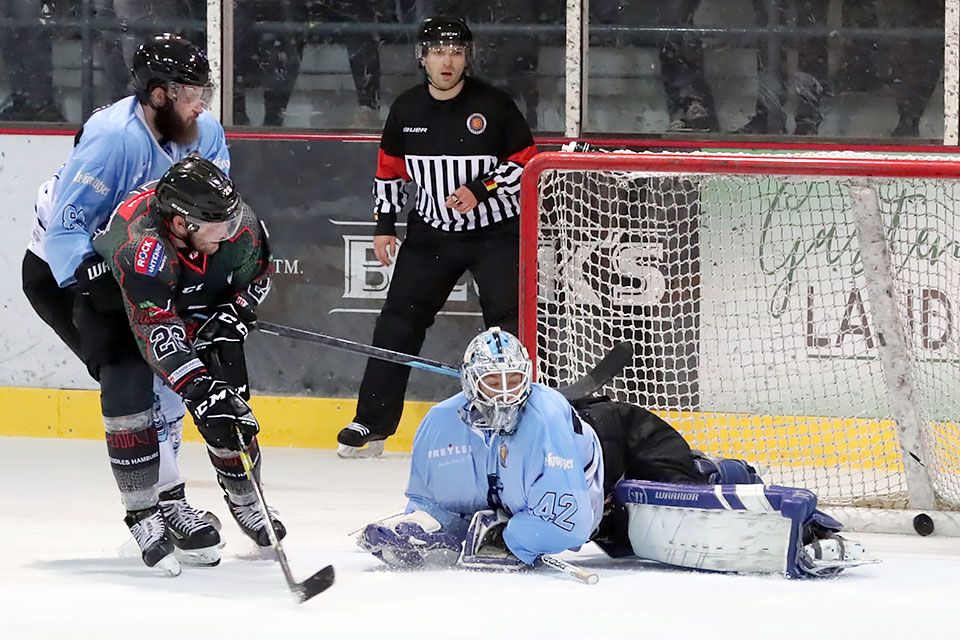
x=476, y=123
x=450, y=450
x=149, y=256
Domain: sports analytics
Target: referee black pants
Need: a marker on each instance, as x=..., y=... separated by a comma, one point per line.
x=429, y=263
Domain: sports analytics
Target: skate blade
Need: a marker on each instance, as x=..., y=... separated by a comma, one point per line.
x=169, y=566
x=373, y=449
x=830, y=568
x=208, y=557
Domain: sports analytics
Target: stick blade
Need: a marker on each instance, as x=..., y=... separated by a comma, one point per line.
x=317, y=583
x=608, y=368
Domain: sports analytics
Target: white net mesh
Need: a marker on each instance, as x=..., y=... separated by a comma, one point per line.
x=745, y=299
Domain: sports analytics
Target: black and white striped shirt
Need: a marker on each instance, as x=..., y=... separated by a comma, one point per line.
x=478, y=138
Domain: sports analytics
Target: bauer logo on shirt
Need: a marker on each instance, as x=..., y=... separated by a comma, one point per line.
x=149, y=256
x=476, y=123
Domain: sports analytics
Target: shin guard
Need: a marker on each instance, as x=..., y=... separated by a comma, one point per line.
x=134, y=451
x=230, y=473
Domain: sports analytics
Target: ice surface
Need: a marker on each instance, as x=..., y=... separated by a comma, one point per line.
x=61, y=575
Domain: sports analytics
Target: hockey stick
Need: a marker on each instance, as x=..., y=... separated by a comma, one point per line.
x=604, y=371
x=584, y=576
x=356, y=347
x=321, y=580
x=611, y=364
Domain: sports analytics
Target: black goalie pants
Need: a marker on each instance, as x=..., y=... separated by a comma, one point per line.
x=429, y=263
x=637, y=445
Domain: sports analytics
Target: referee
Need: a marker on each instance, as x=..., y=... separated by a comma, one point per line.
x=464, y=144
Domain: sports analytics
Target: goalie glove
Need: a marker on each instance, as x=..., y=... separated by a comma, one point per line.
x=485, y=548
x=410, y=541
x=220, y=413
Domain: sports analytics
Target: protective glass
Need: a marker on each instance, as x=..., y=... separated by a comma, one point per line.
x=191, y=94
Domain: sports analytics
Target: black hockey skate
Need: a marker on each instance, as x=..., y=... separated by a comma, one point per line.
x=150, y=532
x=251, y=522
x=194, y=538
x=357, y=441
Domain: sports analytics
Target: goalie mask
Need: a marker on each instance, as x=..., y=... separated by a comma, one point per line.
x=496, y=375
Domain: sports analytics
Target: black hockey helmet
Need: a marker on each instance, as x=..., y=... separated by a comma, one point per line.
x=167, y=59
x=198, y=190
x=444, y=30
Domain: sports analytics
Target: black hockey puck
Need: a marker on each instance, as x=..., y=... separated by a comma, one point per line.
x=923, y=524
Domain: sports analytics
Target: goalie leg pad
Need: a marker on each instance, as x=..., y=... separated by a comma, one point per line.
x=410, y=541
x=739, y=528
x=484, y=547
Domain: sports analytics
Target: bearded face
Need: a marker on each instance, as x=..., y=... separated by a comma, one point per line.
x=174, y=125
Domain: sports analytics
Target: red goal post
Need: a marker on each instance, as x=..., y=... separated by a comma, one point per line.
x=799, y=311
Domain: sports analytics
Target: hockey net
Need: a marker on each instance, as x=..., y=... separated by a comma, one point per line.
x=798, y=312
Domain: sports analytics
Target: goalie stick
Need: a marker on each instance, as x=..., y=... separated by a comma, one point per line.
x=611, y=364
x=318, y=582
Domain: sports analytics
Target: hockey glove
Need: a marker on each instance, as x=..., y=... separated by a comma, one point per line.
x=410, y=541
x=229, y=324
x=485, y=547
x=98, y=286
x=220, y=412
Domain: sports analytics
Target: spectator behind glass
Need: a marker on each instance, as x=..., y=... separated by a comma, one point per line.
x=809, y=81
x=27, y=53
x=916, y=64
x=363, y=51
x=139, y=18
x=689, y=99
x=266, y=59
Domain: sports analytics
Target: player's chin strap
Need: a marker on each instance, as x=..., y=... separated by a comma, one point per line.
x=604, y=371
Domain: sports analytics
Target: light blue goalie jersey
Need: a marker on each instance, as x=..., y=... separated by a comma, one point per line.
x=116, y=154
x=548, y=477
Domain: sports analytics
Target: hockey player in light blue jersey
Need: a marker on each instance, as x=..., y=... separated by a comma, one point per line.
x=509, y=471
x=515, y=447
x=119, y=148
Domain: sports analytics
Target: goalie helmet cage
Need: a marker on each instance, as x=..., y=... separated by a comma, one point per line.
x=794, y=311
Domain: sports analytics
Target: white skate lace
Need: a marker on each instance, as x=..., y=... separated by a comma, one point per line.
x=182, y=516
x=149, y=530
x=249, y=516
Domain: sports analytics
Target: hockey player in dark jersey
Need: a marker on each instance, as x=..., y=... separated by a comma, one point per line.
x=464, y=144
x=192, y=262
